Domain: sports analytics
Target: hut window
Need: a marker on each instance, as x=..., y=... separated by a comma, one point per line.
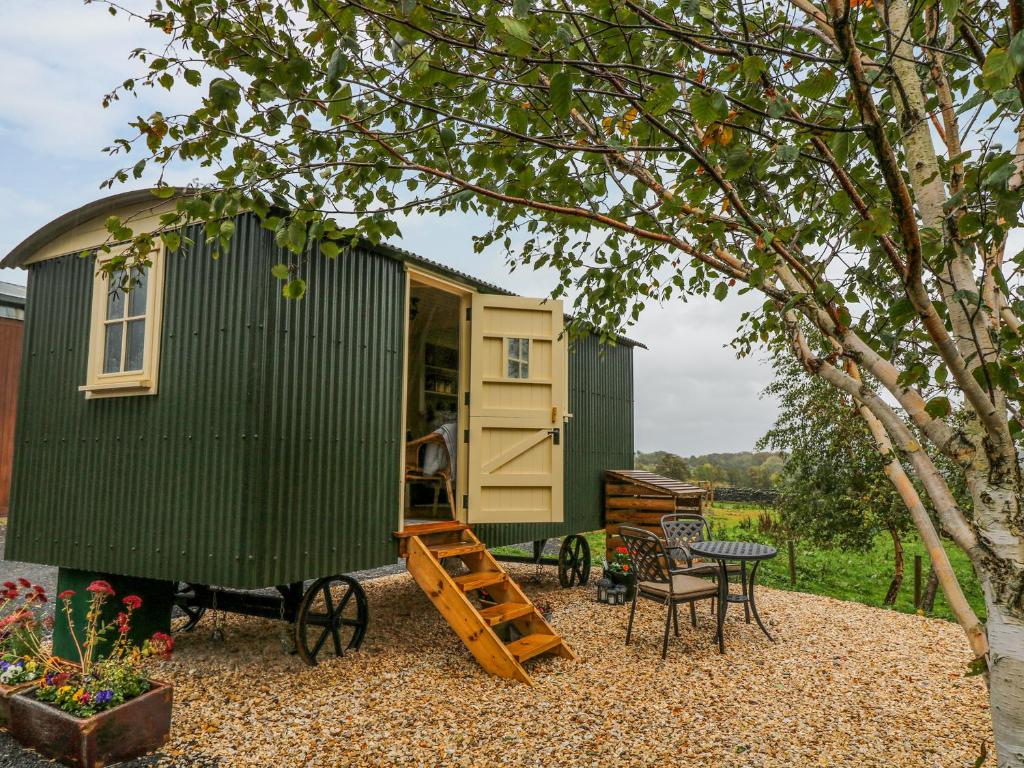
x=518, y=358
x=125, y=330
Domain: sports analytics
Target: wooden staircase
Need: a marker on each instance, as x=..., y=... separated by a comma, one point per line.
x=477, y=602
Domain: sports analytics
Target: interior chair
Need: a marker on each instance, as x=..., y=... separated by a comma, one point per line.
x=415, y=473
x=658, y=579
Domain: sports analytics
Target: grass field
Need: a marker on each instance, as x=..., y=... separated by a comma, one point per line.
x=859, y=576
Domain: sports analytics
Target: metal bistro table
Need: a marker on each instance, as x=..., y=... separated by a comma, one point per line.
x=742, y=552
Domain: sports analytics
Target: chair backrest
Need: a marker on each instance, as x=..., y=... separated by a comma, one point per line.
x=646, y=554
x=684, y=528
x=414, y=453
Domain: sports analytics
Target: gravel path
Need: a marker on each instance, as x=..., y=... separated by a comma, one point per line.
x=846, y=685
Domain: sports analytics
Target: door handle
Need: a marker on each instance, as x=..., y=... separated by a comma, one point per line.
x=556, y=435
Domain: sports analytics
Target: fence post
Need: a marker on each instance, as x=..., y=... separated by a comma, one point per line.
x=792, y=562
x=917, y=582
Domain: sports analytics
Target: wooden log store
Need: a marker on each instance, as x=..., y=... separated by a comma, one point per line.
x=633, y=497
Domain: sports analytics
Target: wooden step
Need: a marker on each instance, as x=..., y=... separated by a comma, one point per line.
x=425, y=529
x=479, y=580
x=502, y=612
x=533, y=645
x=455, y=549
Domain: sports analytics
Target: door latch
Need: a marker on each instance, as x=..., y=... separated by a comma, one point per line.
x=556, y=435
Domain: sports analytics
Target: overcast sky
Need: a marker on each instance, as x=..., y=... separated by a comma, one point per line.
x=59, y=57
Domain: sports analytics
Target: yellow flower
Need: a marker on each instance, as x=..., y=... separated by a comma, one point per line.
x=63, y=690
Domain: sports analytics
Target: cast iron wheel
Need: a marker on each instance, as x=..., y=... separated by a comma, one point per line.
x=574, y=561
x=333, y=608
x=185, y=615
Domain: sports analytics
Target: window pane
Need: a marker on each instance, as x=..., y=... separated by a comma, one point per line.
x=115, y=295
x=513, y=369
x=135, y=345
x=513, y=349
x=524, y=350
x=112, y=348
x=137, y=295
x=524, y=370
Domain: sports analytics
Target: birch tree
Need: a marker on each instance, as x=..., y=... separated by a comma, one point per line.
x=856, y=164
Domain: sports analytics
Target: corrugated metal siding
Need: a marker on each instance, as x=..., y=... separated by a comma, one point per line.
x=270, y=453
x=598, y=437
x=157, y=486
x=332, y=413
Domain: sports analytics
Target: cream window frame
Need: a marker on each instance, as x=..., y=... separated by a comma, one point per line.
x=521, y=359
x=126, y=383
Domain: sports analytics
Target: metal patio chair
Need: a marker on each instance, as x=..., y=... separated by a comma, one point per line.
x=658, y=580
x=682, y=529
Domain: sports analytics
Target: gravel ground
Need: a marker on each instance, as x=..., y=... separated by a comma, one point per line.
x=846, y=685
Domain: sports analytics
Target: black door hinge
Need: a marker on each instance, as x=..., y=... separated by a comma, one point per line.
x=556, y=435
x=465, y=435
x=467, y=398
x=469, y=313
x=465, y=501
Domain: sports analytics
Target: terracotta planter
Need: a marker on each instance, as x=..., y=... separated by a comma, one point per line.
x=129, y=730
x=6, y=692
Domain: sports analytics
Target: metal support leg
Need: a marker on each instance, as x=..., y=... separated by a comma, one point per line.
x=693, y=613
x=745, y=588
x=629, y=627
x=668, y=622
x=723, y=592
x=753, y=605
x=675, y=617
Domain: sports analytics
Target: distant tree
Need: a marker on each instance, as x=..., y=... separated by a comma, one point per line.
x=833, y=489
x=673, y=466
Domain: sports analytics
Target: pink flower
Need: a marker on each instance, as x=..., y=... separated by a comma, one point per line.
x=67, y=594
x=133, y=602
x=100, y=587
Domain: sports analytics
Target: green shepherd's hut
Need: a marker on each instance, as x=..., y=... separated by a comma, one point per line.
x=189, y=434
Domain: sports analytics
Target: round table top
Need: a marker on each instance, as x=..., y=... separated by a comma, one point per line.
x=732, y=550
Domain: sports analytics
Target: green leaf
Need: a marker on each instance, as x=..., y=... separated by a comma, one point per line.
x=998, y=70
x=224, y=94
x=951, y=8
x=193, y=77
x=817, y=85
x=752, y=68
x=787, y=153
x=708, y=108
x=172, y=240
x=721, y=291
x=840, y=147
x=448, y=137
x=938, y=407
x=329, y=249
x=661, y=99
x=335, y=66
x=280, y=271
x=969, y=224
x=294, y=289
x=521, y=9
x=1016, y=50
x=517, y=35
x=561, y=94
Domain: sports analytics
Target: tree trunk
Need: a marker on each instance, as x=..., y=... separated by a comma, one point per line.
x=897, y=561
x=1006, y=684
x=930, y=587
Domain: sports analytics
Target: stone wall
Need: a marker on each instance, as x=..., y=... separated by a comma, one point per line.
x=748, y=495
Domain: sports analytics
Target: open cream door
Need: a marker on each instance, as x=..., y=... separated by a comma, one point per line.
x=518, y=396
